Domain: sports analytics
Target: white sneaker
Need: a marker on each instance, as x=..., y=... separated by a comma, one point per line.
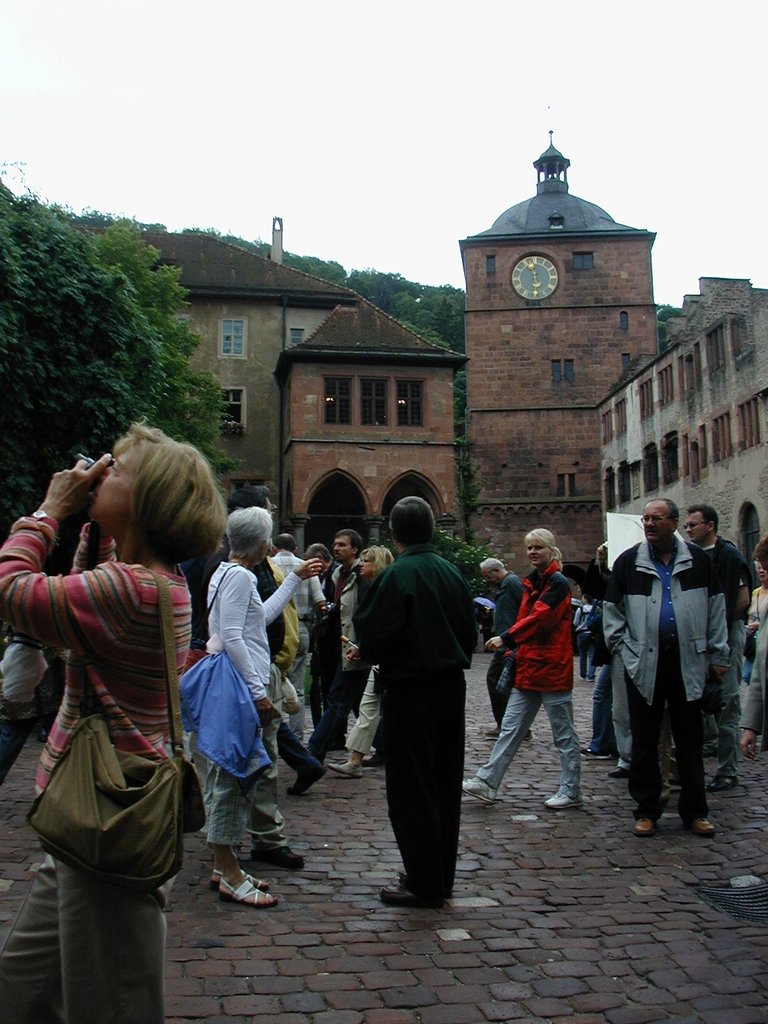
x=560, y=801
x=480, y=790
x=352, y=771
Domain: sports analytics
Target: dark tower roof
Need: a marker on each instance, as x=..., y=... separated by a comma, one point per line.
x=553, y=209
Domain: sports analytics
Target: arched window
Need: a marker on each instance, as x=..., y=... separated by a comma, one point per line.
x=624, y=320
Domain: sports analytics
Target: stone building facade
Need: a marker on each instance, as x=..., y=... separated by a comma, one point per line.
x=333, y=405
x=559, y=301
x=690, y=423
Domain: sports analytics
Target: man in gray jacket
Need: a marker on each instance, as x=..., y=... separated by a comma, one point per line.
x=664, y=615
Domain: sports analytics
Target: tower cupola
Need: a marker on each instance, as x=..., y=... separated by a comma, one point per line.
x=552, y=168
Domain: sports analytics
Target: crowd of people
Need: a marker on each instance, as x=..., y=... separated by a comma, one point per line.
x=355, y=635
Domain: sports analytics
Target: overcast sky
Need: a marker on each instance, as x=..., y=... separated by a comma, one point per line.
x=384, y=133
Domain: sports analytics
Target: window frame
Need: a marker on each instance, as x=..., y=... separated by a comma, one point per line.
x=374, y=401
x=334, y=400
x=410, y=406
x=222, y=337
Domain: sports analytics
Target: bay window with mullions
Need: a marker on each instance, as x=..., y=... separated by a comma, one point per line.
x=338, y=404
x=373, y=401
x=410, y=401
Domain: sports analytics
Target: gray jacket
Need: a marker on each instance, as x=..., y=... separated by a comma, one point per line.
x=631, y=617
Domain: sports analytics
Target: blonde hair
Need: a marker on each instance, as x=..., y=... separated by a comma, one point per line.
x=380, y=557
x=176, y=502
x=547, y=540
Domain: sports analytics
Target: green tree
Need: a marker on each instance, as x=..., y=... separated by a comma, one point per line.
x=663, y=313
x=186, y=404
x=80, y=356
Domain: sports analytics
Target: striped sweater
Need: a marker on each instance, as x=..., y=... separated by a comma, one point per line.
x=107, y=619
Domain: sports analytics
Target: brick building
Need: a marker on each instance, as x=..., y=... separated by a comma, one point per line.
x=559, y=301
x=690, y=424
x=335, y=406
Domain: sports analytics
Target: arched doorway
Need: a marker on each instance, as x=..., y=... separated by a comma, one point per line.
x=336, y=505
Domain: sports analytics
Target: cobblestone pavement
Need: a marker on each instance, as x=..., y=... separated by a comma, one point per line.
x=557, y=916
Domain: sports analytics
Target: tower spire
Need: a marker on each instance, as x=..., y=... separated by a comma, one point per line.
x=552, y=168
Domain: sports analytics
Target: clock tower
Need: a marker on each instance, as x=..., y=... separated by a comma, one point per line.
x=559, y=301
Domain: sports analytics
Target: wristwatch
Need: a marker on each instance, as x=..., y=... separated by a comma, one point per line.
x=40, y=514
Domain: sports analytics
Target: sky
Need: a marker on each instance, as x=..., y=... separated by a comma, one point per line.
x=383, y=133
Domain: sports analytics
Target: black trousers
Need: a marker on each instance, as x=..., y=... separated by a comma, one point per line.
x=424, y=739
x=688, y=733
x=498, y=700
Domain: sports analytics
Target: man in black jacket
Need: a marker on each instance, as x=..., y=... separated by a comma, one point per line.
x=701, y=526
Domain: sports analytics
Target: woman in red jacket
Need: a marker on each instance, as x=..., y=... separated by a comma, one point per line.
x=540, y=642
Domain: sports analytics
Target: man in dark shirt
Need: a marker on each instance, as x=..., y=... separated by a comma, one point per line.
x=722, y=732
x=507, y=597
x=417, y=623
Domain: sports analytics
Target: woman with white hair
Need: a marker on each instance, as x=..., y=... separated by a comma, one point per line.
x=540, y=639
x=238, y=625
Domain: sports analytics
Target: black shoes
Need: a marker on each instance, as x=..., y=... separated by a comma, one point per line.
x=304, y=780
x=280, y=856
x=400, y=896
x=722, y=782
x=619, y=773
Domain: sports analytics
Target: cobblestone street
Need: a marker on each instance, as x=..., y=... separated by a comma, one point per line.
x=557, y=916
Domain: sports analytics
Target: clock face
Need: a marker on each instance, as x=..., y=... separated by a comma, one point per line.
x=534, y=277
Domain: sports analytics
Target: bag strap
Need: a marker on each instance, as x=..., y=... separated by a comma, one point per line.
x=165, y=606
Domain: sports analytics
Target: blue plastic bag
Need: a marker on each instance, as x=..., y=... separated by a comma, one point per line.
x=217, y=705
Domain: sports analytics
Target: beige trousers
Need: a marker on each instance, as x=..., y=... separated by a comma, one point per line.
x=84, y=952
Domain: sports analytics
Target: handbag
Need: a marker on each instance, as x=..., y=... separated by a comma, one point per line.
x=712, y=697
x=750, y=645
x=217, y=706
x=116, y=815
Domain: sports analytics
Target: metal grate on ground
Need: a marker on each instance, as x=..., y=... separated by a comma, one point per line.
x=747, y=904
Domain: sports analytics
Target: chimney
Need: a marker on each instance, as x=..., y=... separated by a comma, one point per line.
x=277, y=240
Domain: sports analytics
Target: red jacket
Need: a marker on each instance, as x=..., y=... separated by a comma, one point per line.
x=541, y=634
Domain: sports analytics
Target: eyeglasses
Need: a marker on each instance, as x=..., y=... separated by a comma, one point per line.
x=653, y=519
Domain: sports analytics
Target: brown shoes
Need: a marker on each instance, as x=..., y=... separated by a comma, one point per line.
x=644, y=827
x=702, y=827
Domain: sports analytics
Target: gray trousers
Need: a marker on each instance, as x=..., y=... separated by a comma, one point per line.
x=265, y=822
x=724, y=730
x=296, y=675
x=84, y=952
x=621, y=727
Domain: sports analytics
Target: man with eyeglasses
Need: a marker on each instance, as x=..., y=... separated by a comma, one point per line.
x=664, y=615
x=722, y=732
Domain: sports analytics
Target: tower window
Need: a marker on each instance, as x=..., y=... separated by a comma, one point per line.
x=583, y=260
x=490, y=265
x=623, y=321
x=566, y=485
x=562, y=369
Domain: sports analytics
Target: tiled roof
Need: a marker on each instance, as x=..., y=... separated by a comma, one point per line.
x=363, y=326
x=364, y=334
x=210, y=265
